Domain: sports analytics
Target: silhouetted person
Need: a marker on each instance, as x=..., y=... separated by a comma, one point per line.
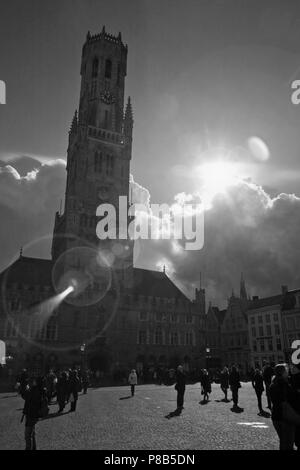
x=74, y=386
x=62, y=391
x=267, y=373
x=132, y=380
x=206, y=385
x=85, y=380
x=235, y=384
x=281, y=392
x=24, y=383
x=180, y=387
x=224, y=382
x=31, y=411
x=258, y=385
x=50, y=384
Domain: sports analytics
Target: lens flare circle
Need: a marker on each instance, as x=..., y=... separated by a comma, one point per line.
x=45, y=309
x=85, y=269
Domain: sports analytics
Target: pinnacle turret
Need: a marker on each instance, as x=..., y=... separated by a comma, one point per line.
x=74, y=125
x=128, y=111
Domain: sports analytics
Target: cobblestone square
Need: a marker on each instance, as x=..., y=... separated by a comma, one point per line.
x=109, y=419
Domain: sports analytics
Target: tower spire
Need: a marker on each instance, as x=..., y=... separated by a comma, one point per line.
x=243, y=291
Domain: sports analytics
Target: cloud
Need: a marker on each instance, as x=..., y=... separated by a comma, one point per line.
x=28, y=204
x=246, y=230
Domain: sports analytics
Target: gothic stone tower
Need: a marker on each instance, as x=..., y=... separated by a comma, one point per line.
x=100, y=143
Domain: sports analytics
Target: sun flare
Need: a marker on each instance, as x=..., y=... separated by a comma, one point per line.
x=217, y=177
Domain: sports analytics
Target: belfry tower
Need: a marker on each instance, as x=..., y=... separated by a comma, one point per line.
x=100, y=144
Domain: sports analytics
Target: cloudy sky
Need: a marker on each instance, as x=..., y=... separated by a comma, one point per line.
x=210, y=82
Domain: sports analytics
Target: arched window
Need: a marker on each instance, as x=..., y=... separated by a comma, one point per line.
x=95, y=67
x=108, y=68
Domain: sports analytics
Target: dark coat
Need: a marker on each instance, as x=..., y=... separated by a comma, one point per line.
x=32, y=406
x=205, y=383
x=180, y=381
x=258, y=383
x=280, y=391
x=224, y=380
x=268, y=374
x=74, y=385
x=62, y=388
x=234, y=380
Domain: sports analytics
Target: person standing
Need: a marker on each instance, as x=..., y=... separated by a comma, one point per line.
x=24, y=383
x=258, y=385
x=31, y=412
x=74, y=386
x=284, y=400
x=267, y=374
x=224, y=382
x=235, y=384
x=132, y=380
x=180, y=387
x=62, y=391
x=50, y=384
x=85, y=380
x=206, y=385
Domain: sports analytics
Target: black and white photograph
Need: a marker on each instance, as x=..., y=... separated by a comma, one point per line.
x=150, y=227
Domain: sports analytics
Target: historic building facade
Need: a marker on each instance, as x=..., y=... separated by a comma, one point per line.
x=274, y=323
x=117, y=316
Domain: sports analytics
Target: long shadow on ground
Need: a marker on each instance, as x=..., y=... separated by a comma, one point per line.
x=173, y=414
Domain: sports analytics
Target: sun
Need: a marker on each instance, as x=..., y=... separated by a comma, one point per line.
x=217, y=177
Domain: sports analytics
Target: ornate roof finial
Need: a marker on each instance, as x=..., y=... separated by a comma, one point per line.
x=128, y=112
x=164, y=269
x=120, y=36
x=21, y=252
x=103, y=29
x=88, y=36
x=74, y=122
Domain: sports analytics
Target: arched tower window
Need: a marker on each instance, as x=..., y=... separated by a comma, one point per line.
x=108, y=68
x=95, y=68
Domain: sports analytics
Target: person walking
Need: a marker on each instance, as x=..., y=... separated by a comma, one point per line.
x=74, y=386
x=180, y=387
x=285, y=404
x=205, y=385
x=132, y=380
x=31, y=412
x=224, y=382
x=258, y=385
x=62, y=391
x=235, y=384
x=267, y=373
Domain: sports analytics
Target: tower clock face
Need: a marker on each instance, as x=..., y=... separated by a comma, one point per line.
x=107, y=97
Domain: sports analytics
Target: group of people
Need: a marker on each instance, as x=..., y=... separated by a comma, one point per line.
x=281, y=385
x=38, y=393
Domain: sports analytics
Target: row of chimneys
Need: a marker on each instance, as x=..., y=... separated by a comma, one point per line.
x=284, y=290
